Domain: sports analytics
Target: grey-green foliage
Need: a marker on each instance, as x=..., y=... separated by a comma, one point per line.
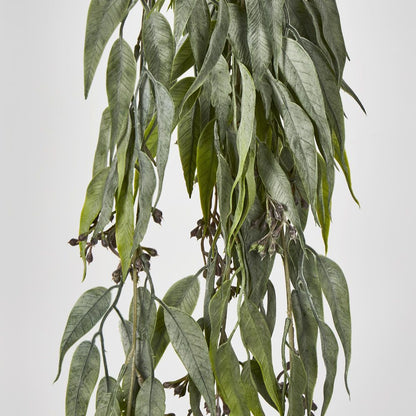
x=253, y=88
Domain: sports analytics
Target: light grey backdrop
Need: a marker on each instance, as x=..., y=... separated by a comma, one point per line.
x=48, y=135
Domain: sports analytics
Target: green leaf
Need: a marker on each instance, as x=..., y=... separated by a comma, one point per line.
x=217, y=309
x=257, y=339
x=277, y=19
x=151, y=399
x=216, y=46
x=182, y=10
x=199, y=31
x=93, y=200
x=276, y=183
x=271, y=306
x=183, y=295
x=103, y=144
x=227, y=374
x=183, y=60
x=83, y=375
x=332, y=32
x=188, y=135
x=86, y=312
x=108, y=400
x=165, y=114
x=250, y=390
x=258, y=381
x=189, y=343
x=224, y=189
x=297, y=386
x=351, y=92
x=206, y=167
x=103, y=18
x=258, y=36
x=300, y=136
x=147, y=186
x=146, y=313
x=159, y=47
x=194, y=399
x=121, y=77
x=177, y=92
x=299, y=72
x=335, y=289
x=237, y=33
x=219, y=84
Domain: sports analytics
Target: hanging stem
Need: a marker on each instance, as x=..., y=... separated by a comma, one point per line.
x=134, y=337
x=288, y=292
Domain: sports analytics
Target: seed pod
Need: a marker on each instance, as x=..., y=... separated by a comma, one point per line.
x=157, y=215
x=73, y=242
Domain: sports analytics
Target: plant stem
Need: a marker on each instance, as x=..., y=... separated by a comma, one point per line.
x=134, y=336
x=288, y=292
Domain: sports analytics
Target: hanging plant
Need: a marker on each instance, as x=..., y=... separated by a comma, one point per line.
x=260, y=131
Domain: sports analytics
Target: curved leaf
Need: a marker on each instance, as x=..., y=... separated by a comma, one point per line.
x=121, y=78
x=165, y=114
x=183, y=60
x=271, y=306
x=151, y=399
x=297, y=384
x=257, y=338
x=276, y=183
x=194, y=399
x=216, y=46
x=147, y=186
x=83, y=375
x=227, y=374
x=189, y=343
x=258, y=36
x=159, y=47
x=108, y=398
x=183, y=295
x=103, y=18
x=300, y=73
x=237, y=33
x=250, y=390
x=103, y=144
x=182, y=10
x=335, y=289
x=199, y=31
x=86, y=312
x=146, y=313
x=206, y=167
x=300, y=136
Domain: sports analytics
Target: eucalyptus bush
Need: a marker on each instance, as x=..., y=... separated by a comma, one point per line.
x=253, y=88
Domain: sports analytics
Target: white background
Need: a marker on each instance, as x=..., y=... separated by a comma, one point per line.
x=48, y=135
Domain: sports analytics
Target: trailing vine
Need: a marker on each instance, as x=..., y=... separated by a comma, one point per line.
x=260, y=131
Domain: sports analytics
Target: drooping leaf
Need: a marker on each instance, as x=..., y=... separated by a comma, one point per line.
x=277, y=19
x=103, y=144
x=237, y=34
x=257, y=378
x=183, y=295
x=271, y=306
x=276, y=183
x=194, y=399
x=206, y=167
x=300, y=136
x=159, y=47
x=103, y=18
x=177, y=92
x=297, y=386
x=182, y=11
x=189, y=343
x=257, y=339
x=351, y=92
x=83, y=376
x=300, y=73
x=183, y=60
x=108, y=398
x=86, y=312
x=147, y=186
x=332, y=32
x=216, y=46
x=250, y=390
x=165, y=115
x=335, y=289
x=217, y=310
x=151, y=399
x=258, y=36
x=219, y=83
x=121, y=78
x=188, y=142
x=227, y=374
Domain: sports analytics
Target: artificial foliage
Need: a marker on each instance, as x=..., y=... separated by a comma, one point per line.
x=252, y=88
